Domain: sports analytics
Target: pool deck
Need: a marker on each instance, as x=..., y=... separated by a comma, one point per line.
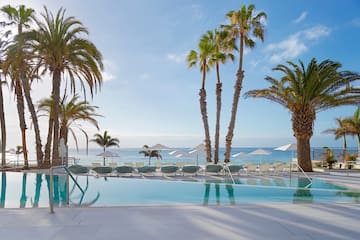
x=244, y=221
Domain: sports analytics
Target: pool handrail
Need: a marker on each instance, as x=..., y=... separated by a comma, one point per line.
x=52, y=184
x=226, y=167
x=302, y=171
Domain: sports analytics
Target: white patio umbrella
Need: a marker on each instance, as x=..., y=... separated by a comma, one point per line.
x=260, y=151
x=196, y=150
x=287, y=147
x=159, y=147
x=107, y=154
x=240, y=154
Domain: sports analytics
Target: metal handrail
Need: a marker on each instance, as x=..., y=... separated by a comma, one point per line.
x=307, y=176
x=52, y=184
x=227, y=167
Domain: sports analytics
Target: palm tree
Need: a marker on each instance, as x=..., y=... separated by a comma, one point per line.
x=224, y=46
x=354, y=126
x=306, y=91
x=341, y=131
x=243, y=25
x=3, y=44
x=105, y=141
x=70, y=112
x=150, y=153
x=201, y=58
x=21, y=17
x=61, y=50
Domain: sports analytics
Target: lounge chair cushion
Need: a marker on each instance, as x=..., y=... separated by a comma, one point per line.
x=78, y=169
x=235, y=168
x=190, y=169
x=213, y=168
x=102, y=169
x=146, y=169
x=169, y=169
x=124, y=169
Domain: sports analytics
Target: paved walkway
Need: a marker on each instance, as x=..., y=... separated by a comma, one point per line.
x=244, y=221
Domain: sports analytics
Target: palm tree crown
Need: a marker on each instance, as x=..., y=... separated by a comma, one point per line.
x=306, y=91
x=59, y=48
x=105, y=140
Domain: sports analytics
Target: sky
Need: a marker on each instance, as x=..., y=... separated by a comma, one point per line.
x=149, y=94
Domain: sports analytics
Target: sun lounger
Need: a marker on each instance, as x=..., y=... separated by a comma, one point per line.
x=113, y=164
x=95, y=164
x=213, y=168
x=102, y=170
x=124, y=170
x=139, y=164
x=158, y=165
x=147, y=169
x=169, y=169
x=233, y=168
x=78, y=169
x=190, y=169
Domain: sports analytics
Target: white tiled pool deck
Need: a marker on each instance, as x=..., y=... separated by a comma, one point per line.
x=244, y=221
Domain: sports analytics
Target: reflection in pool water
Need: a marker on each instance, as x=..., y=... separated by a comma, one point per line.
x=28, y=190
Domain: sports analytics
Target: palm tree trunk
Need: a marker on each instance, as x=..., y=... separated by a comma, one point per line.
x=237, y=90
x=39, y=152
x=47, y=163
x=218, y=112
x=303, y=153
x=21, y=113
x=203, y=110
x=3, y=128
x=56, y=91
x=302, y=124
x=345, y=149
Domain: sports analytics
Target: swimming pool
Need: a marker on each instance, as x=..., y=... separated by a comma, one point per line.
x=21, y=190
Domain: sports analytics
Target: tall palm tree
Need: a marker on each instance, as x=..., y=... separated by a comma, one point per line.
x=21, y=17
x=201, y=58
x=354, y=125
x=341, y=131
x=62, y=51
x=105, y=141
x=70, y=112
x=222, y=51
x=243, y=26
x=306, y=91
x=3, y=44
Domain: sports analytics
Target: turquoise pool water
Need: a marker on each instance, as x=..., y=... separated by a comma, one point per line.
x=20, y=190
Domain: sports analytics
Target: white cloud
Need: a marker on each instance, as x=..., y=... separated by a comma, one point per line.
x=296, y=44
x=316, y=32
x=178, y=58
x=302, y=17
x=110, y=68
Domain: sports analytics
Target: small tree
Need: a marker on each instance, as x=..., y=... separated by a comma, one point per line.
x=105, y=141
x=150, y=153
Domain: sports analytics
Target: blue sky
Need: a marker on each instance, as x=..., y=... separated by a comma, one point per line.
x=149, y=95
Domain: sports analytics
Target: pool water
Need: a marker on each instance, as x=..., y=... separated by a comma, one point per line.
x=21, y=190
